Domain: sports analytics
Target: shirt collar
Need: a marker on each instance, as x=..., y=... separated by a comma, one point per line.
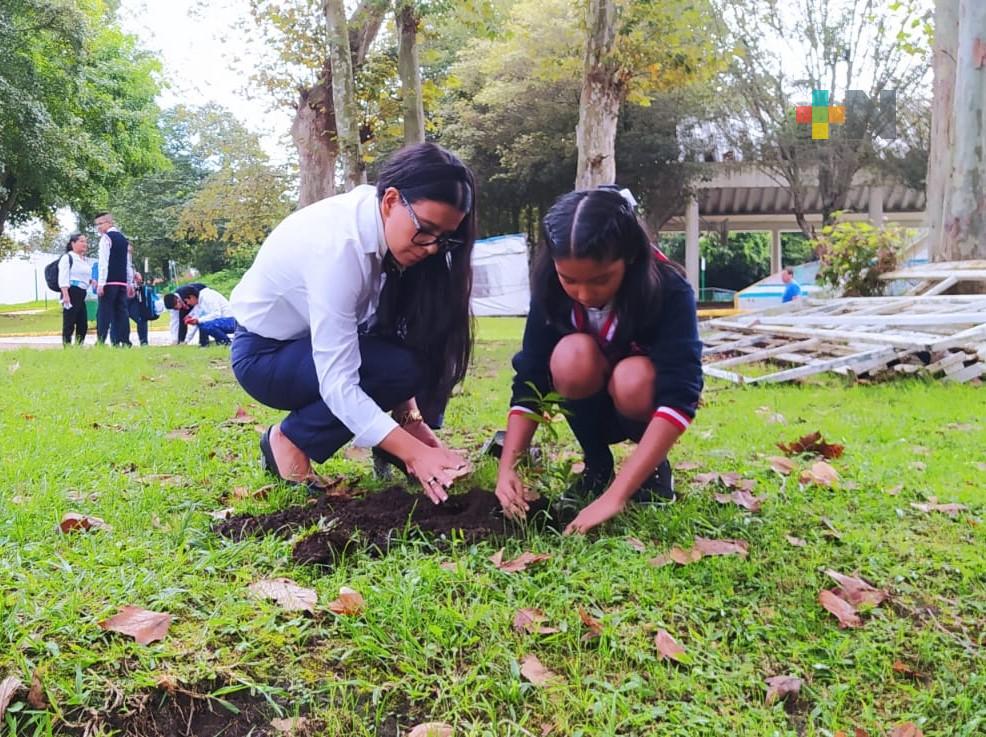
x=381, y=235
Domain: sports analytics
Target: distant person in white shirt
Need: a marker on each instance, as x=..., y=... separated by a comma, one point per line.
x=74, y=279
x=207, y=309
x=356, y=306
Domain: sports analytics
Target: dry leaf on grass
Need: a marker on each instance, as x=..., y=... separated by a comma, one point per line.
x=292, y=725
x=842, y=609
x=9, y=687
x=772, y=418
x=74, y=522
x=661, y=560
x=855, y=590
x=350, y=602
x=534, y=671
x=449, y=565
x=431, y=729
x=905, y=670
x=592, y=624
x=667, y=647
x=547, y=728
x=812, y=444
x=686, y=466
x=518, y=564
x=244, y=492
x=222, y=514
x=36, y=695
x=742, y=499
x=289, y=595
x=529, y=620
x=951, y=510
x=182, y=433
x=636, y=544
x=820, y=473
x=683, y=557
x=729, y=480
x=895, y=490
x=242, y=417
x=919, y=466
x=907, y=729
x=795, y=541
x=782, y=465
x=721, y=547
x=143, y=625
x=780, y=686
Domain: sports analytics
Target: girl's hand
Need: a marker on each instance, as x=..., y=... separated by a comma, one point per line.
x=425, y=434
x=599, y=511
x=436, y=469
x=510, y=492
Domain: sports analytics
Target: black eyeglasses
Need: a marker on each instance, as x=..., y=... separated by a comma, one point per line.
x=424, y=238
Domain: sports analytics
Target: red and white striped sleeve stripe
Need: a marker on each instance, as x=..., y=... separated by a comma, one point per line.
x=518, y=410
x=676, y=417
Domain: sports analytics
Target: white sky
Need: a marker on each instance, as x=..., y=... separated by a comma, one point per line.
x=197, y=51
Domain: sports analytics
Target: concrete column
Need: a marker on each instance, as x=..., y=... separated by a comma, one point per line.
x=876, y=205
x=691, y=243
x=776, y=255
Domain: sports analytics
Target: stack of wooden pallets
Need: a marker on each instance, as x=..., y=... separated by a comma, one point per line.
x=936, y=335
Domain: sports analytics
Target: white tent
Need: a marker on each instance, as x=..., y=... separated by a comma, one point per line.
x=22, y=278
x=501, y=283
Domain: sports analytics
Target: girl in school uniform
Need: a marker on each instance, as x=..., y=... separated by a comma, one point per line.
x=74, y=279
x=613, y=329
x=354, y=317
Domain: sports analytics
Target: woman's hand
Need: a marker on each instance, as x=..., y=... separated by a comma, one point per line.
x=425, y=434
x=436, y=469
x=510, y=492
x=601, y=510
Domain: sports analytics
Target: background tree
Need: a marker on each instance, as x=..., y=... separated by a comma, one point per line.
x=344, y=94
x=77, y=112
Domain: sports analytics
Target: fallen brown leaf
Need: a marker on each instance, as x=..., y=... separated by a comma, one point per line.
x=350, y=603
x=182, y=433
x=222, y=514
x=636, y=544
x=594, y=626
x=518, y=564
x=686, y=466
x=830, y=529
x=706, y=546
x=743, y=499
x=772, y=418
x=820, y=473
x=842, y=609
x=9, y=687
x=36, y=696
x=244, y=492
x=894, y=491
x=905, y=670
x=292, y=725
x=431, y=729
x=795, y=541
x=919, y=466
x=667, y=647
x=449, y=565
x=529, y=620
x=781, y=686
x=242, y=417
x=143, y=625
x=812, y=444
x=547, y=728
x=951, y=510
x=72, y=522
x=534, y=671
x=907, y=729
x=289, y=595
x=661, y=560
x=855, y=590
x=782, y=465
x=683, y=557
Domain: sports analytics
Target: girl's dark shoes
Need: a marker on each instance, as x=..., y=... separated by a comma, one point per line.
x=658, y=488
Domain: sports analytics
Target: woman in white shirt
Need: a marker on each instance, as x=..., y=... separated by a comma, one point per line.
x=356, y=306
x=74, y=278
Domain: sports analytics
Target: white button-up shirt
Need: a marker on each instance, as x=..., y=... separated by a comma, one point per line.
x=319, y=274
x=211, y=306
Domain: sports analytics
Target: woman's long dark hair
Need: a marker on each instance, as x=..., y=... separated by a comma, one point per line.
x=428, y=304
x=71, y=240
x=599, y=224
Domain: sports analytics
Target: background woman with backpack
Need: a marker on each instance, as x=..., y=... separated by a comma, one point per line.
x=74, y=278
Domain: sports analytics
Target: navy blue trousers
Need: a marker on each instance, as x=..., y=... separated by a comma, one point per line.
x=597, y=425
x=112, y=316
x=281, y=374
x=219, y=330
x=134, y=310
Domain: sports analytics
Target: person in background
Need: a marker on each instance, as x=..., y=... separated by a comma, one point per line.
x=209, y=311
x=792, y=290
x=114, y=286
x=179, y=310
x=74, y=278
x=137, y=307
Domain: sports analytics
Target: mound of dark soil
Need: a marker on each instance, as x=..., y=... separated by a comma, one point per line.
x=374, y=521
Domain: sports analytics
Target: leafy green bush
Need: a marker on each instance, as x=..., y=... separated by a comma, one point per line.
x=853, y=255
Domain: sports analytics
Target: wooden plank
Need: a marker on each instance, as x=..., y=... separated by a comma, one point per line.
x=935, y=319
x=918, y=288
x=967, y=374
x=915, y=341
x=823, y=366
x=942, y=286
x=971, y=336
x=727, y=375
x=925, y=273
x=766, y=353
x=949, y=359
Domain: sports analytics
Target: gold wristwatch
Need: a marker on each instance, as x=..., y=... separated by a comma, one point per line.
x=407, y=417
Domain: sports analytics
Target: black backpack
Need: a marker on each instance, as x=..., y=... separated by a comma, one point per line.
x=51, y=272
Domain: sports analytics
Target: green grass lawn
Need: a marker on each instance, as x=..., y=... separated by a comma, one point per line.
x=87, y=431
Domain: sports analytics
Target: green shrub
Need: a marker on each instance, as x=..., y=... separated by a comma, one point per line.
x=853, y=255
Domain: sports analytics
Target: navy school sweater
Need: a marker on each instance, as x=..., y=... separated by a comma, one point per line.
x=671, y=342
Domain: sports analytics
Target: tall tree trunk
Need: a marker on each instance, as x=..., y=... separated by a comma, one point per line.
x=964, y=235
x=599, y=103
x=314, y=134
x=942, y=133
x=409, y=70
x=344, y=94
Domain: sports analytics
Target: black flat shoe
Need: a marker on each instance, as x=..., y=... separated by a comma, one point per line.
x=658, y=488
x=270, y=465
